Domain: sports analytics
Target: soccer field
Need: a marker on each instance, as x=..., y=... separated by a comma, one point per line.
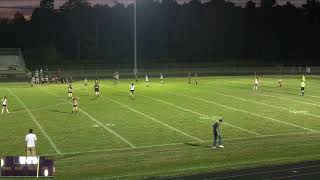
x=166, y=129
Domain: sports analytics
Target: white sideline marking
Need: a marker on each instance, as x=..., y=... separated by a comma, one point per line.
x=99, y=123
x=105, y=127
x=174, y=144
x=244, y=111
x=304, y=102
x=153, y=119
x=36, y=122
x=197, y=113
x=225, y=165
x=282, y=108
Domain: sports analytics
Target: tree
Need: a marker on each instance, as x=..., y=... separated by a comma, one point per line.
x=268, y=3
x=47, y=4
x=74, y=4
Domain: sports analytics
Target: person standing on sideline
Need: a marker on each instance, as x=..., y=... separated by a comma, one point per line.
x=303, y=85
x=217, y=134
x=5, y=105
x=31, y=143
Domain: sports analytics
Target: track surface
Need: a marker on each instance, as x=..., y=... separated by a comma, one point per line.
x=304, y=170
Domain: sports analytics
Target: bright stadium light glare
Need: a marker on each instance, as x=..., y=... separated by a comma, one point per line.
x=2, y=162
x=46, y=172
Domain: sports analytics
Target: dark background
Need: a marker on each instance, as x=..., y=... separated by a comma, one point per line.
x=216, y=32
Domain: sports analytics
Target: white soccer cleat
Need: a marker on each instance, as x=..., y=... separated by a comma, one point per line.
x=213, y=147
x=221, y=146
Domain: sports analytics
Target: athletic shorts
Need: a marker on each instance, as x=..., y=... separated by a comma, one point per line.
x=4, y=105
x=97, y=90
x=131, y=90
x=302, y=88
x=69, y=92
x=31, y=151
x=75, y=105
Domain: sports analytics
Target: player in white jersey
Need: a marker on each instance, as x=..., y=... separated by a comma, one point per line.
x=31, y=143
x=161, y=78
x=256, y=84
x=147, y=80
x=132, y=88
x=85, y=81
x=75, y=103
x=70, y=90
x=5, y=105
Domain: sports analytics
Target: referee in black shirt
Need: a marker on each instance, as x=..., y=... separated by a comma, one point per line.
x=217, y=134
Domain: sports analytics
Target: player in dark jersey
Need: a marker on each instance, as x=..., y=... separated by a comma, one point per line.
x=70, y=91
x=217, y=134
x=97, y=89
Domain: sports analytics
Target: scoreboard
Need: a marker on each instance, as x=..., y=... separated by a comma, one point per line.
x=27, y=166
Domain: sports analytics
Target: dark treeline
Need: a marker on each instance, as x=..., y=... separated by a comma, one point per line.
x=212, y=32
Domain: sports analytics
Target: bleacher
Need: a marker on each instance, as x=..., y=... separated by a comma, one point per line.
x=12, y=65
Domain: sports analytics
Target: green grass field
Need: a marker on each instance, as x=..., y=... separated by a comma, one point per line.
x=166, y=130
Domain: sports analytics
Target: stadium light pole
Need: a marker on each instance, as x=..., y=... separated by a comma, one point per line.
x=135, y=69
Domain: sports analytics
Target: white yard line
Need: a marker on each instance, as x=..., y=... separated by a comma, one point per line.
x=181, y=143
x=283, y=98
x=199, y=114
x=155, y=120
x=100, y=123
x=247, y=112
x=36, y=122
x=265, y=104
x=105, y=127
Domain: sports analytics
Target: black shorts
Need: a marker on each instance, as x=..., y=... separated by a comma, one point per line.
x=131, y=90
x=97, y=90
x=69, y=92
x=302, y=88
x=75, y=105
x=4, y=105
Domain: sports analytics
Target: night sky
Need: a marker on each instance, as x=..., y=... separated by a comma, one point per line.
x=9, y=7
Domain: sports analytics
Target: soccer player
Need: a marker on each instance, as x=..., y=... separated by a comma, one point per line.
x=75, y=101
x=147, y=80
x=189, y=77
x=5, y=105
x=280, y=83
x=33, y=81
x=116, y=78
x=85, y=81
x=31, y=143
x=303, y=85
x=217, y=134
x=70, y=91
x=132, y=88
x=161, y=78
x=97, y=89
x=196, y=78
x=256, y=84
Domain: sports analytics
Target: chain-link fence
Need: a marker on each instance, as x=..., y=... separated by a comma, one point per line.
x=107, y=71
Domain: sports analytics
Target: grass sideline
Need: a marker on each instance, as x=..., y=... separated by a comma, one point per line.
x=166, y=129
